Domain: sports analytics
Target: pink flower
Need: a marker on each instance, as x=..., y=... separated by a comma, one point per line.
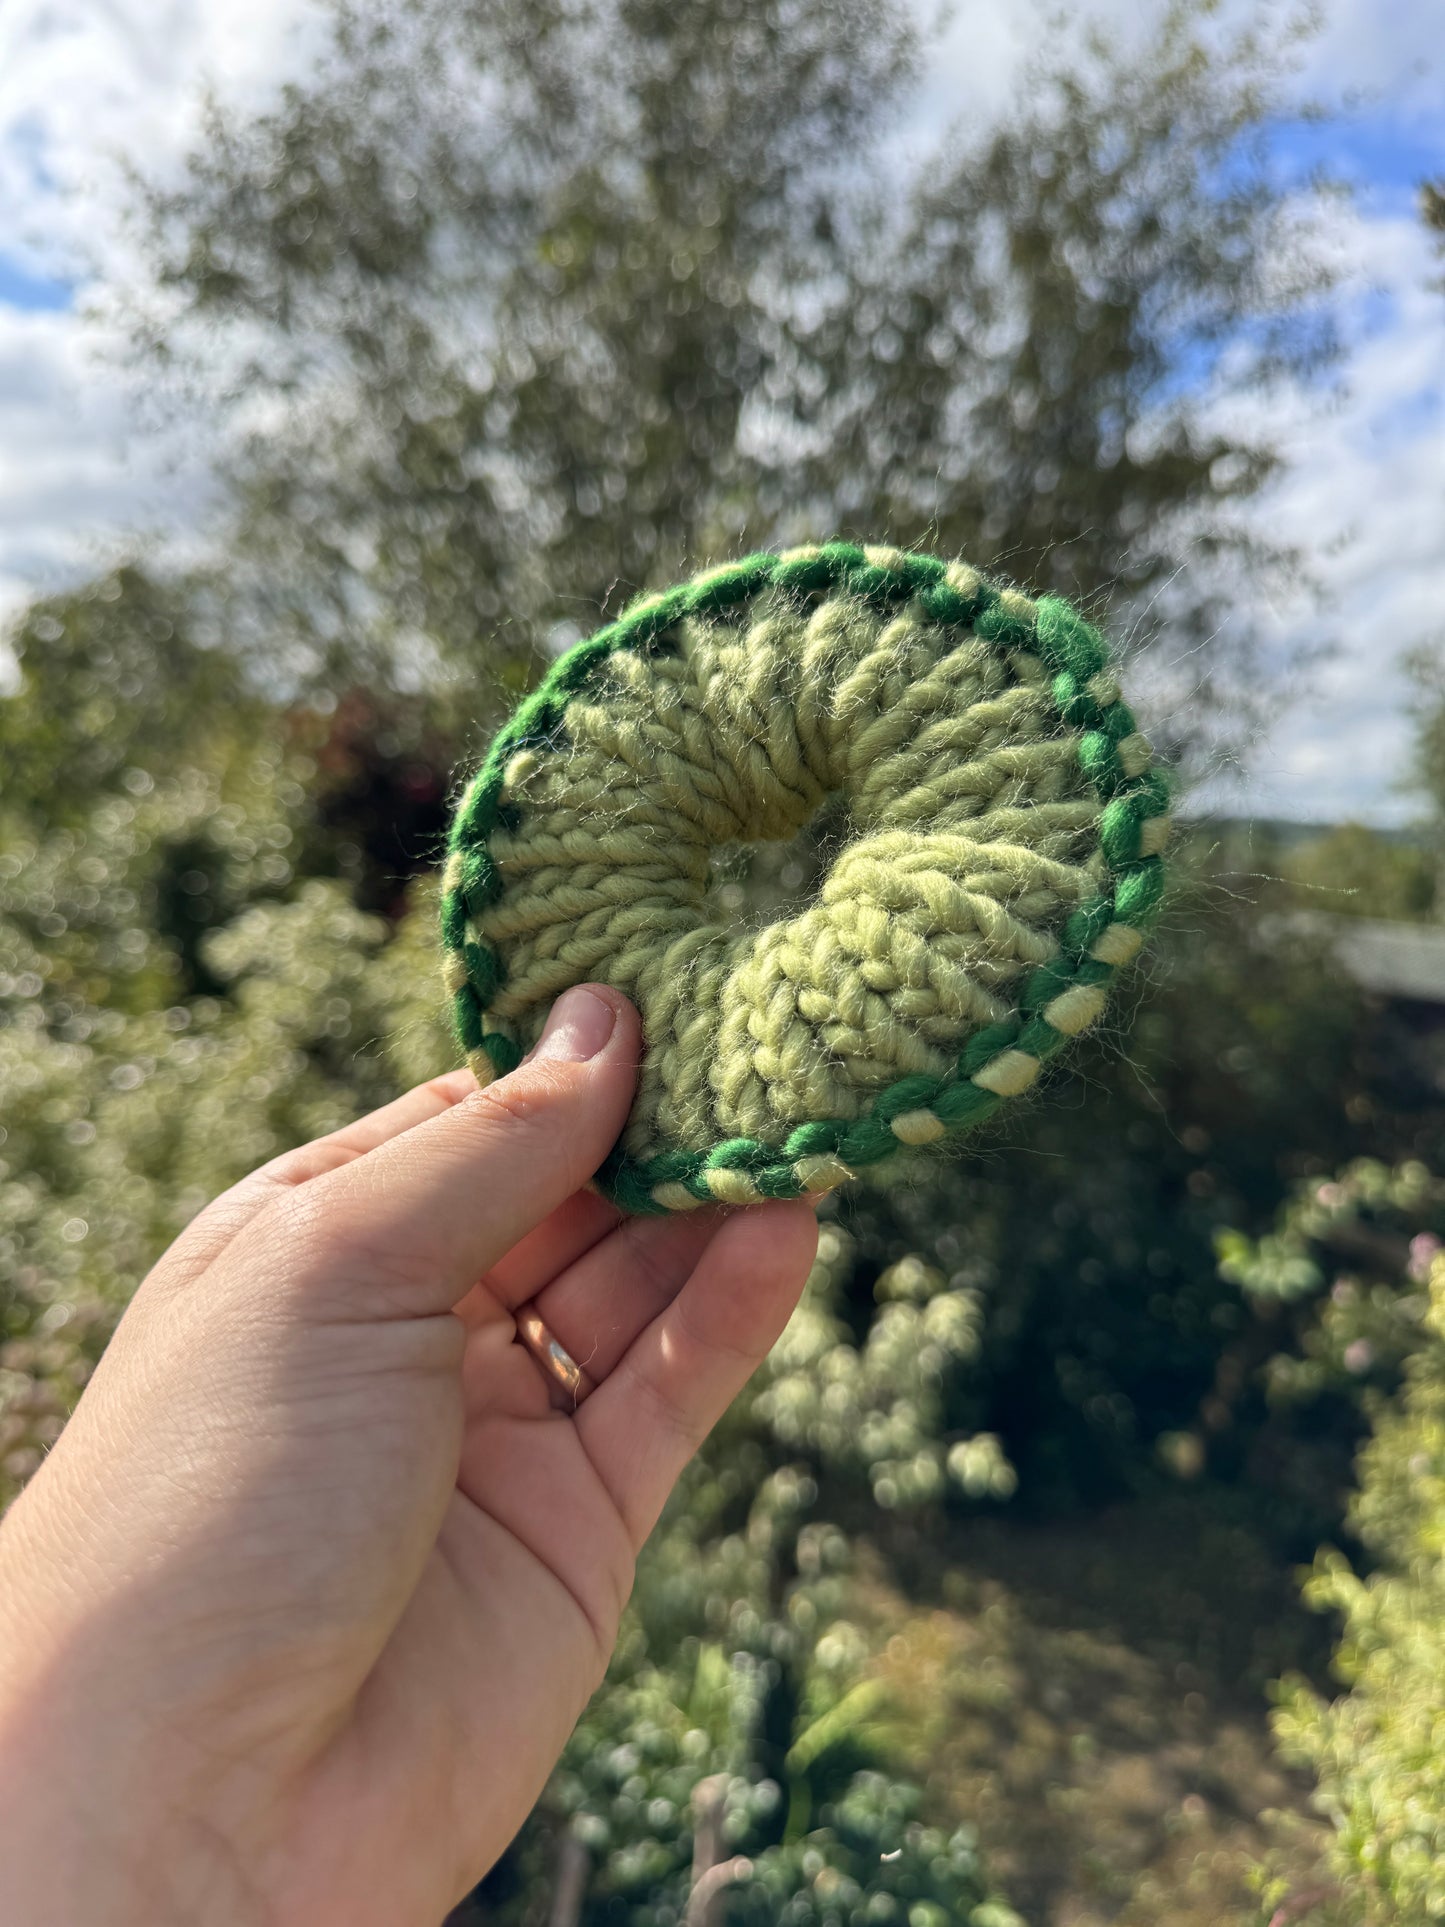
x=1422, y=1253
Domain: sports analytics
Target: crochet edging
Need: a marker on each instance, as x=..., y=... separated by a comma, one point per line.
x=1058, y=1000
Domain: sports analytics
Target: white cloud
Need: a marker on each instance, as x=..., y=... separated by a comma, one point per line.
x=1378, y=51
x=78, y=480
x=87, y=86
x=1363, y=496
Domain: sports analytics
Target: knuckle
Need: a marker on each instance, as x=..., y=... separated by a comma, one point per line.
x=289, y=1168
x=451, y=1087
x=647, y=1264
x=327, y=1256
x=671, y=1415
x=717, y=1343
x=538, y=1102
x=299, y=1216
x=305, y=1228
x=523, y=1098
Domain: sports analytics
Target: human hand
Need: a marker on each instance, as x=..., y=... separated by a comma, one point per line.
x=304, y=1603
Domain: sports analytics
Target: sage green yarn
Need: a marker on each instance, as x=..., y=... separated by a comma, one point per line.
x=1002, y=860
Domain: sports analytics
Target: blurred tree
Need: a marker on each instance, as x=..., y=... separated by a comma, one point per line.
x=505, y=312
x=525, y=308
x=518, y=274
x=1356, y=1261
x=112, y=681
x=1355, y=871
x=1425, y=666
x=1023, y=360
x=1424, y=776
x=778, y=1708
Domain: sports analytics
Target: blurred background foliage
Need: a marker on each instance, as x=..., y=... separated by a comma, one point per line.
x=972, y=1610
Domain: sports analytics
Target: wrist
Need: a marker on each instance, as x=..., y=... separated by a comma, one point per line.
x=96, y=1830
x=104, y=1818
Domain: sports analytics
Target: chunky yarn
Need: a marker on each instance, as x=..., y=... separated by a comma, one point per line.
x=1002, y=859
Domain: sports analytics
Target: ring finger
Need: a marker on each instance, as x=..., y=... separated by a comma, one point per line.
x=595, y=1307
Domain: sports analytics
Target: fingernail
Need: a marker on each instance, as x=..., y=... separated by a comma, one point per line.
x=578, y=1026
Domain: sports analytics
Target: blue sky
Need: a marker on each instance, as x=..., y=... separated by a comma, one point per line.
x=30, y=293
x=85, y=90
x=1383, y=154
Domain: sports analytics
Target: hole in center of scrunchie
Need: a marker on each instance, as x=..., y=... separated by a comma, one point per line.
x=755, y=883
x=818, y=848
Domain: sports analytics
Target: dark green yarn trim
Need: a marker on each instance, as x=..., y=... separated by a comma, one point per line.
x=1069, y=646
x=908, y=1094
x=988, y=1043
x=964, y=1104
x=504, y=1052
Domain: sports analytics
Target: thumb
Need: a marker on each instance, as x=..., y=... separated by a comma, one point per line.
x=407, y=1229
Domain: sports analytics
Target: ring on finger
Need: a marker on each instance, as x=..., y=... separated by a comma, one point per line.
x=561, y=1370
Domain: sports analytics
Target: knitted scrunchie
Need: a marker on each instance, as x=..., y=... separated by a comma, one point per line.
x=1004, y=831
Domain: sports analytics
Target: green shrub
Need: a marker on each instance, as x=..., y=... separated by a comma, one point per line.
x=1378, y=1752
x=779, y=1709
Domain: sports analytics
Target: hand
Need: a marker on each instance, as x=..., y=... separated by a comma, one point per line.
x=302, y=1607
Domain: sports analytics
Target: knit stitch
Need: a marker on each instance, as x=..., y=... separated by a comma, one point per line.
x=1002, y=862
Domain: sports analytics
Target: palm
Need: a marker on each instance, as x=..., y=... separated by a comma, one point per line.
x=511, y=1625
x=368, y=1571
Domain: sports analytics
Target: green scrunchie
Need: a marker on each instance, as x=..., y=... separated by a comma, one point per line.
x=1002, y=860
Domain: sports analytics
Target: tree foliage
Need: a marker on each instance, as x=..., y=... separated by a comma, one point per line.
x=524, y=311
x=499, y=315
x=1363, y=1249
x=1354, y=871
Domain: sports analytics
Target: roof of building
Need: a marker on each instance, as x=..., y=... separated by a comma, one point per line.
x=1391, y=959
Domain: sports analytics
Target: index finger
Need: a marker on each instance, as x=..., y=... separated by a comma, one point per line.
x=226, y=1216
x=408, y=1228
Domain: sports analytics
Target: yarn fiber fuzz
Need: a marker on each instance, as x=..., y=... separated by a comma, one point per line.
x=1001, y=861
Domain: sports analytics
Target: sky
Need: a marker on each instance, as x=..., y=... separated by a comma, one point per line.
x=91, y=87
